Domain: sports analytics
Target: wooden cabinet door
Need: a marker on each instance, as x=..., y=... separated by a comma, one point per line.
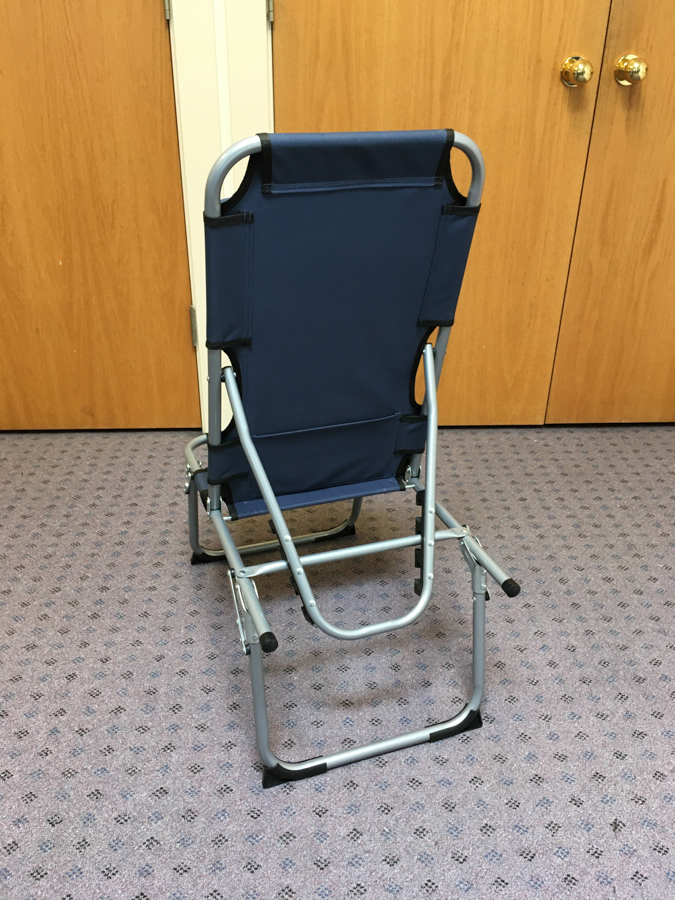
x=616, y=353
x=492, y=71
x=93, y=261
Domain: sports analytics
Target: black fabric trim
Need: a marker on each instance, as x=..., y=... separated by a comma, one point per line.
x=242, y=218
x=473, y=721
x=266, y=163
x=436, y=323
x=226, y=345
x=451, y=209
x=279, y=774
x=444, y=161
x=409, y=451
x=231, y=202
x=415, y=366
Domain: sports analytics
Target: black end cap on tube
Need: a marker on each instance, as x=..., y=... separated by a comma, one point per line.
x=268, y=643
x=511, y=588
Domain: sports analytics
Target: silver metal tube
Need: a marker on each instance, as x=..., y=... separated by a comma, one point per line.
x=249, y=595
x=356, y=511
x=257, y=673
x=467, y=146
x=327, y=556
x=429, y=507
x=440, y=347
x=396, y=743
x=486, y=561
x=377, y=748
x=478, y=664
x=445, y=516
x=483, y=558
x=220, y=168
x=189, y=452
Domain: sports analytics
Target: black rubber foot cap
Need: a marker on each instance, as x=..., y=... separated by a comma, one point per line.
x=511, y=588
x=268, y=643
x=347, y=531
x=198, y=558
x=280, y=774
x=269, y=780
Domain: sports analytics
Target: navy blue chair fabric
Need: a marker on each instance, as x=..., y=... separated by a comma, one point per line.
x=326, y=273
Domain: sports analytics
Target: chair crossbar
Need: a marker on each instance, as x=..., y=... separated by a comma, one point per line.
x=315, y=559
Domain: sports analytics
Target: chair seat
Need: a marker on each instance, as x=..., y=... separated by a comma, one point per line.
x=247, y=508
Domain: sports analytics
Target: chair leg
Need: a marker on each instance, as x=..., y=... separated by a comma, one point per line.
x=199, y=554
x=277, y=771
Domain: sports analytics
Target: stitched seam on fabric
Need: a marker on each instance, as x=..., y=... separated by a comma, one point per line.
x=322, y=186
x=328, y=427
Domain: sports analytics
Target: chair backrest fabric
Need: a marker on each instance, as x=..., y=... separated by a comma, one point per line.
x=326, y=273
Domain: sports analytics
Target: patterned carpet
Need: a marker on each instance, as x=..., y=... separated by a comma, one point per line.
x=128, y=767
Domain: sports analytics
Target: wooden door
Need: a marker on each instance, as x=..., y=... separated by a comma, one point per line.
x=616, y=354
x=93, y=261
x=492, y=71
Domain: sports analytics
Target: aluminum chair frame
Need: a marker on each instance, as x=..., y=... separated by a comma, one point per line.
x=255, y=631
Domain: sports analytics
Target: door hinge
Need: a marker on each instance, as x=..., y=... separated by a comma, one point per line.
x=270, y=11
x=167, y=10
x=193, y=325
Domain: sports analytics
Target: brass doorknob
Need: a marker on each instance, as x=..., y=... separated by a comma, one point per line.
x=630, y=69
x=575, y=71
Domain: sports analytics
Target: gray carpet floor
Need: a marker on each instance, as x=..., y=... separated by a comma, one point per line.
x=128, y=766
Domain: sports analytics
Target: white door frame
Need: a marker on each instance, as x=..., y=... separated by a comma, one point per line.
x=222, y=68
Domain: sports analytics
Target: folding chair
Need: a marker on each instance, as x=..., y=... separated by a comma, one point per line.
x=327, y=272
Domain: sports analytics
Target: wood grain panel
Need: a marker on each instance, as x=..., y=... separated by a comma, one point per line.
x=616, y=355
x=490, y=70
x=93, y=259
